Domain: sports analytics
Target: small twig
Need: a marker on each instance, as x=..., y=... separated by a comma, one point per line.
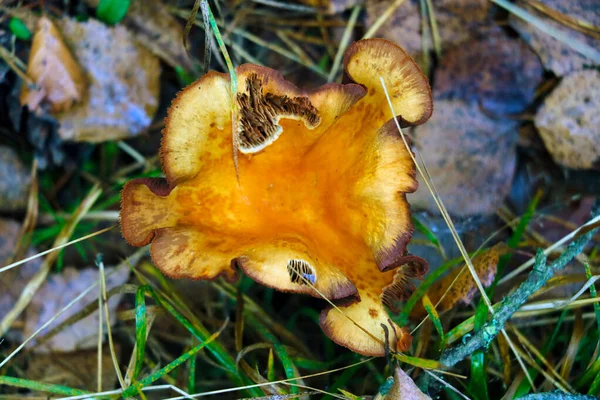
x=538, y=277
x=344, y=43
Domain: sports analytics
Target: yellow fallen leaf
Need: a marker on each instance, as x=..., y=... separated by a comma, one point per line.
x=464, y=289
x=58, y=78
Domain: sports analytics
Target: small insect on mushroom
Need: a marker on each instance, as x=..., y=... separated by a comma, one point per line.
x=320, y=205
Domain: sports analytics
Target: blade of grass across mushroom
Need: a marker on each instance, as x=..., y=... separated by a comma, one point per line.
x=211, y=25
x=448, y=220
x=277, y=382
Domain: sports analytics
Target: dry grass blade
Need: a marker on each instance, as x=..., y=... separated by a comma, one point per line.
x=579, y=47
x=40, y=276
x=582, y=229
x=446, y=384
x=513, y=221
x=546, y=375
x=382, y=18
x=343, y=44
x=281, y=381
x=571, y=352
x=531, y=348
x=104, y=302
x=25, y=235
x=286, y=6
x=16, y=65
x=573, y=23
x=190, y=22
x=100, y=336
x=57, y=247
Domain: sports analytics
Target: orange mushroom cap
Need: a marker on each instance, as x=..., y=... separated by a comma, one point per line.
x=320, y=205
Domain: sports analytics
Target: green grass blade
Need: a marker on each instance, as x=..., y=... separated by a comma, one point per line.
x=271, y=367
x=433, y=314
x=418, y=361
x=192, y=376
x=288, y=365
x=147, y=381
x=478, y=382
x=140, y=329
x=421, y=227
x=40, y=386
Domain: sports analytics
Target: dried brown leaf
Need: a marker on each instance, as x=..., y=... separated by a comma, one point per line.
x=464, y=289
x=58, y=78
x=124, y=83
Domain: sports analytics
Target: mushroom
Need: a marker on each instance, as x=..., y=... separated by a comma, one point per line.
x=319, y=206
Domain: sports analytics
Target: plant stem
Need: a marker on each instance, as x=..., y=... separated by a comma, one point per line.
x=556, y=396
x=538, y=277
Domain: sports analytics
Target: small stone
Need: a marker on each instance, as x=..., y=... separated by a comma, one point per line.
x=15, y=179
x=569, y=121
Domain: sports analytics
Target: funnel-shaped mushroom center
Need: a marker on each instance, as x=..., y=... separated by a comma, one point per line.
x=319, y=204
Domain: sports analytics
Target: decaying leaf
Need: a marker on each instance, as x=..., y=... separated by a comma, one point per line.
x=498, y=72
x=556, y=56
x=151, y=23
x=464, y=289
x=77, y=369
x=400, y=387
x=58, y=78
x=13, y=281
x=15, y=179
x=58, y=291
x=569, y=121
x=471, y=159
x=124, y=83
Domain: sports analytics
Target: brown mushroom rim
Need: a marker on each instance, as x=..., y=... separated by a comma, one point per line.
x=320, y=205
